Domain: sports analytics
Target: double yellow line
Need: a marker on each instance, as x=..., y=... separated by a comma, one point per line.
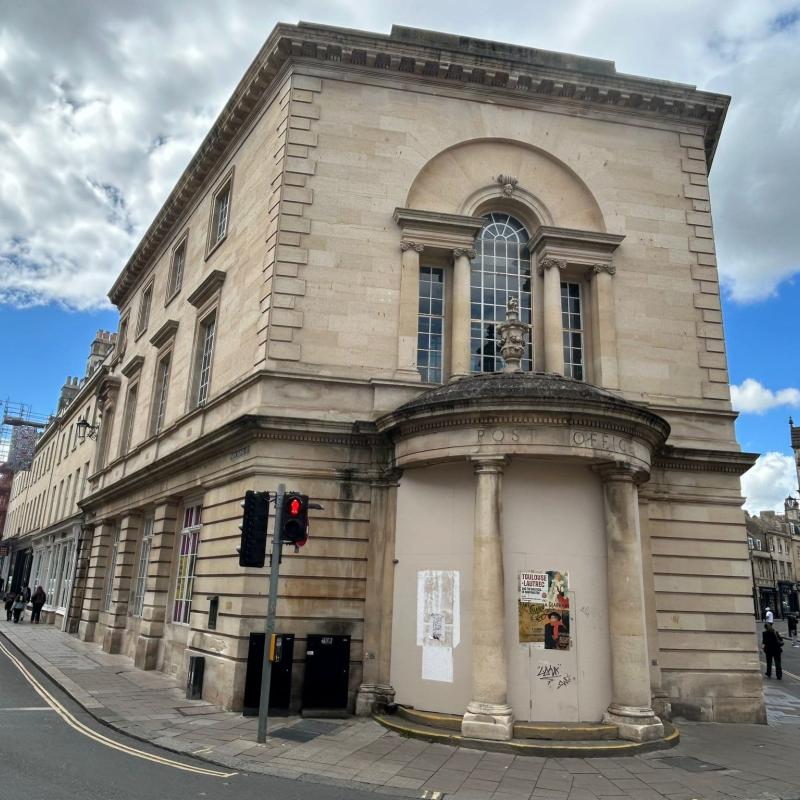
x=77, y=725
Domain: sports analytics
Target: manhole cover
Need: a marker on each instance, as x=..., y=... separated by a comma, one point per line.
x=689, y=763
x=306, y=730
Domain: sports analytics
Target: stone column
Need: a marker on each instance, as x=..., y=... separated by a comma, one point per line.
x=159, y=572
x=408, y=312
x=117, y=615
x=376, y=691
x=630, y=707
x=95, y=579
x=551, y=269
x=488, y=715
x=604, y=325
x=460, y=362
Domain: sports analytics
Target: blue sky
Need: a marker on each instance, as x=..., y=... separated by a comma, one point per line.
x=102, y=105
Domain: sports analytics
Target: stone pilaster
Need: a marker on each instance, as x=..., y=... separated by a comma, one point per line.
x=376, y=691
x=604, y=324
x=117, y=615
x=159, y=571
x=460, y=365
x=551, y=269
x=84, y=546
x=408, y=312
x=488, y=714
x=95, y=579
x=630, y=708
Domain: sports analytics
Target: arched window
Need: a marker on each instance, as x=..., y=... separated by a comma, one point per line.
x=501, y=269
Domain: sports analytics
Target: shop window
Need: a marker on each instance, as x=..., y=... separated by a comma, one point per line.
x=140, y=586
x=187, y=558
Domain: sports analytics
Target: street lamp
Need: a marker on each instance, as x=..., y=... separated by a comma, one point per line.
x=86, y=429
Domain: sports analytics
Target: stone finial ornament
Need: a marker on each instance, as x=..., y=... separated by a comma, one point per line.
x=508, y=184
x=512, y=334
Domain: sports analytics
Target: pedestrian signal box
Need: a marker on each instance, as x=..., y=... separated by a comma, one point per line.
x=295, y=519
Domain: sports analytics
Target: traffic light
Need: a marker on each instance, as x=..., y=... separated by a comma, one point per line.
x=253, y=545
x=295, y=519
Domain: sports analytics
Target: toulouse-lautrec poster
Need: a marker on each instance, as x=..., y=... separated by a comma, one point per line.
x=544, y=609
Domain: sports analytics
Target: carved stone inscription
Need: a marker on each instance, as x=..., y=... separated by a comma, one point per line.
x=578, y=437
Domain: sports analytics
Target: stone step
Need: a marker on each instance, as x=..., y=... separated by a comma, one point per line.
x=592, y=748
x=558, y=731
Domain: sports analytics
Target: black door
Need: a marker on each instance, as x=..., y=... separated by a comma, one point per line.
x=327, y=672
x=280, y=685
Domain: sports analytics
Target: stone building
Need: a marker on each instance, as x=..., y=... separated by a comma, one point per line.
x=43, y=530
x=318, y=303
x=774, y=544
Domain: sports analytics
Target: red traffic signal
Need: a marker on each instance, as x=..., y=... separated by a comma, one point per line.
x=295, y=519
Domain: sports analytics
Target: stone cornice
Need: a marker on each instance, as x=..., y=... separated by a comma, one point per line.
x=589, y=248
x=432, y=58
x=133, y=366
x=243, y=430
x=166, y=332
x=433, y=229
x=212, y=283
x=696, y=460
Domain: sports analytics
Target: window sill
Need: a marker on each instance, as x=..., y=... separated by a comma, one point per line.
x=213, y=249
x=169, y=300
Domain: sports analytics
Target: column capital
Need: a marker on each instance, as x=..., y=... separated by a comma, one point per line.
x=469, y=252
x=404, y=246
x=620, y=471
x=596, y=269
x=550, y=263
x=489, y=464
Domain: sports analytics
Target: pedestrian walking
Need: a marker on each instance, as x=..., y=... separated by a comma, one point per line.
x=768, y=617
x=19, y=608
x=791, y=620
x=773, y=644
x=8, y=602
x=26, y=594
x=38, y=599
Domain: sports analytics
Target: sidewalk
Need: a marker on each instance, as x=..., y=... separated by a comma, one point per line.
x=713, y=762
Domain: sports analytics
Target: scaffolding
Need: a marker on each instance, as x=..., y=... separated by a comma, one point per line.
x=18, y=434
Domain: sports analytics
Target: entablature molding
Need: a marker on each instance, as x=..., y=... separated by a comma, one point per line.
x=567, y=246
x=435, y=230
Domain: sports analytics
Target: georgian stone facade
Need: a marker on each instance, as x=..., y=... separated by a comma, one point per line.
x=308, y=308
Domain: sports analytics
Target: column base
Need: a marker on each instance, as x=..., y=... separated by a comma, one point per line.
x=86, y=631
x=372, y=698
x=146, y=653
x=488, y=721
x=635, y=723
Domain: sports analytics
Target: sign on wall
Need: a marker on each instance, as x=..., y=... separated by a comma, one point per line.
x=438, y=622
x=543, y=609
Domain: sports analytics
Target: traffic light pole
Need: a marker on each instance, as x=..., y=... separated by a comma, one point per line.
x=272, y=605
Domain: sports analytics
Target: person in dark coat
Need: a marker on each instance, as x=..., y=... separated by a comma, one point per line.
x=38, y=599
x=26, y=594
x=8, y=602
x=19, y=607
x=773, y=644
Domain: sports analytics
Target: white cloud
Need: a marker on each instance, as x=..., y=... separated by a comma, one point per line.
x=769, y=482
x=103, y=104
x=750, y=397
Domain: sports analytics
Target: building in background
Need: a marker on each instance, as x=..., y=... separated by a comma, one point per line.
x=319, y=303
x=774, y=544
x=43, y=527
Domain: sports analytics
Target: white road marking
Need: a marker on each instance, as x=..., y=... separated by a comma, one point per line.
x=77, y=725
x=28, y=708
